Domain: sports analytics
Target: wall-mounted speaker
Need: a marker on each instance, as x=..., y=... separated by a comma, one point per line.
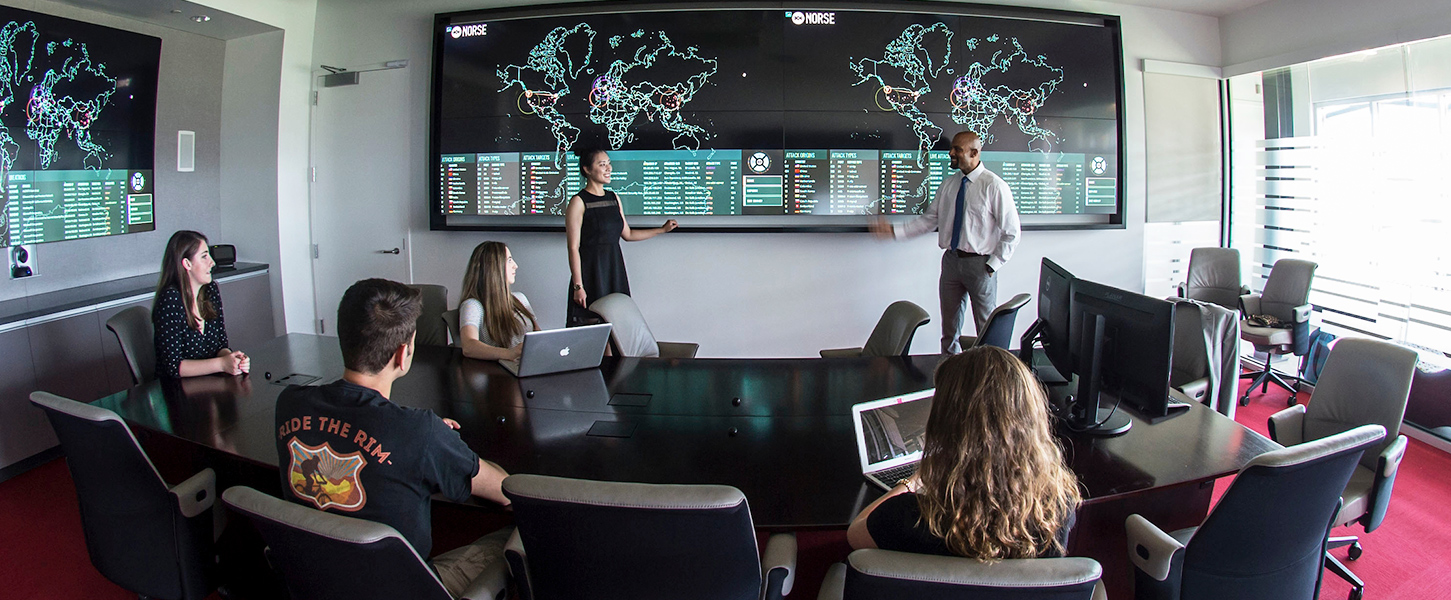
x=185, y=151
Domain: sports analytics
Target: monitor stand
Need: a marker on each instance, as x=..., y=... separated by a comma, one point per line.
x=1084, y=411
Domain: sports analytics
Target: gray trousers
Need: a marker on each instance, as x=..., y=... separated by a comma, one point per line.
x=964, y=278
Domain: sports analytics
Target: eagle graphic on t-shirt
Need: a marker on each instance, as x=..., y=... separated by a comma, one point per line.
x=325, y=478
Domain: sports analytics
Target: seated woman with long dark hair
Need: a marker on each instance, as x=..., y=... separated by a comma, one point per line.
x=992, y=483
x=492, y=317
x=186, y=315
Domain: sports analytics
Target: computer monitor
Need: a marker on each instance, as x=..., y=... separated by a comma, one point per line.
x=1055, y=295
x=1122, y=347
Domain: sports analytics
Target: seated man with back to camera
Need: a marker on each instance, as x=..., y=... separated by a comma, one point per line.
x=346, y=448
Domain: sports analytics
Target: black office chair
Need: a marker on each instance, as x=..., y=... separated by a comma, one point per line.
x=872, y=574
x=624, y=541
x=133, y=330
x=1287, y=298
x=143, y=535
x=322, y=555
x=998, y=331
x=431, y=328
x=893, y=334
x=1266, y=537
x=1364, y=381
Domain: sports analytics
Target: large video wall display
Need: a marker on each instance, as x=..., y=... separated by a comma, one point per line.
x=77, y=129
x=764, y=117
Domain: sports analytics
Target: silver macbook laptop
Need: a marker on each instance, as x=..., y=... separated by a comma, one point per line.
x=889, y=436
x=558, y=350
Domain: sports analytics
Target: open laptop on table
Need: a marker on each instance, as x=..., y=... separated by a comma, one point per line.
x=559, y=350
x=889, y=436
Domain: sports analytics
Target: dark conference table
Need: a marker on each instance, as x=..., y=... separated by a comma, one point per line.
x=778, y=429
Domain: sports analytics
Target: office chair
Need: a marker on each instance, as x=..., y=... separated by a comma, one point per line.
x=623, y=541
x=1364, y=381
x=150, y=538
x=893, y=334
x=133, y=330
x=998, y=331
x=630, y=336
x=450, y=323
x=870, y=574
x=1286, y=297
x=1265, y=538
x=431, y=329
x=1206, y=354
x=1214, y=277
x=321, y=555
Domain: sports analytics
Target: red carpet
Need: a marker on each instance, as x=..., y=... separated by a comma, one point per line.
x=43, y=552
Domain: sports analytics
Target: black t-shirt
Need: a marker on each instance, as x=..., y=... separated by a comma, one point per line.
x=896, y=525
x=344, y=448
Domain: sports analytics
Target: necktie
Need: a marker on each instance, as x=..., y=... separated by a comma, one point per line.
x=957, y=215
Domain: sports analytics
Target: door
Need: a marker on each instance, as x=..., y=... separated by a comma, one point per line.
x=360, y=197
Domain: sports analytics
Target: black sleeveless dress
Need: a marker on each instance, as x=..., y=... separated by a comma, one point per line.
x=601, y=263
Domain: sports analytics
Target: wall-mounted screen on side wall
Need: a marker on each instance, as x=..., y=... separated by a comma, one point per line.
x=768, y=116
x=77, y=129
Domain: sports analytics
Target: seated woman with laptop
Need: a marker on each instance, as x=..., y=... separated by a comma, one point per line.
x=992, y=483
x=492, y=319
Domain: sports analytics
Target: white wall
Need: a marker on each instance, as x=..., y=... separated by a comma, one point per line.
x=749, y=294
x=294, y=265
x=188, y=97
x=1279, y=33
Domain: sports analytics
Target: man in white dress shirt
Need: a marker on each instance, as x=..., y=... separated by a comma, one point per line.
x=976, y=245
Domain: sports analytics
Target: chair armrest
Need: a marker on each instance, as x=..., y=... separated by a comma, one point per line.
x=778, y=565
x=841, y=353
x=1150, y=549
x=519, y=565
x=1100, y=592
x=834, y=586
x=966, y=341
x=1302, y=313
x=489, y=584
x=1385, y=480
x=1182, y=289
x=678, y=349
x=1287, y=427
x=196, y=495
x=1197, y=390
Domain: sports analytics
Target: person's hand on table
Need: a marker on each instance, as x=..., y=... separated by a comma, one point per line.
x=452, y=424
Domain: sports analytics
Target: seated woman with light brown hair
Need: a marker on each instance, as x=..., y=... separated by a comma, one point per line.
x=992, y=483
x=492, y=317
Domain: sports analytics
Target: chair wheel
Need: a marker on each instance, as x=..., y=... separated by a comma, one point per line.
x=1244, y=400
x=1355, y=594
x=1292, y=401
x=1355, y=551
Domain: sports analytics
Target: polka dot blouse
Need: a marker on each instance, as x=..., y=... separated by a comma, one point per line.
x=175, y=341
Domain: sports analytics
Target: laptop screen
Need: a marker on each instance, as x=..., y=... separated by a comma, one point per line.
x=891, y=431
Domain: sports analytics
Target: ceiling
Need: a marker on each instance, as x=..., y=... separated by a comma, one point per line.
x=177, y=14
x=1213, y=8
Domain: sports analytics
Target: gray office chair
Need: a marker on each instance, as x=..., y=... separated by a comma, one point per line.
x=1265, y=538
x=322, y=555
x=998, y=331
x=1364, y=381
x=871, y=574
x=450, y=323
x=624, y=541
x=1214, y=277
x=630, y=336
x=1286, y=297
x=1206, y=354
x=150, y=538
x=431, y=328
x=133, y=330
x=893, y=334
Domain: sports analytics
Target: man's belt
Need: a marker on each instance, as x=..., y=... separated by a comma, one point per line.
x=965, y=254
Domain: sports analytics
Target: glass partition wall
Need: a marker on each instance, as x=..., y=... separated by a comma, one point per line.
x=1344, y=161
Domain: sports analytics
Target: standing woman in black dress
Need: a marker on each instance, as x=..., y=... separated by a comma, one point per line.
x=190, y=334
x=594, y=224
